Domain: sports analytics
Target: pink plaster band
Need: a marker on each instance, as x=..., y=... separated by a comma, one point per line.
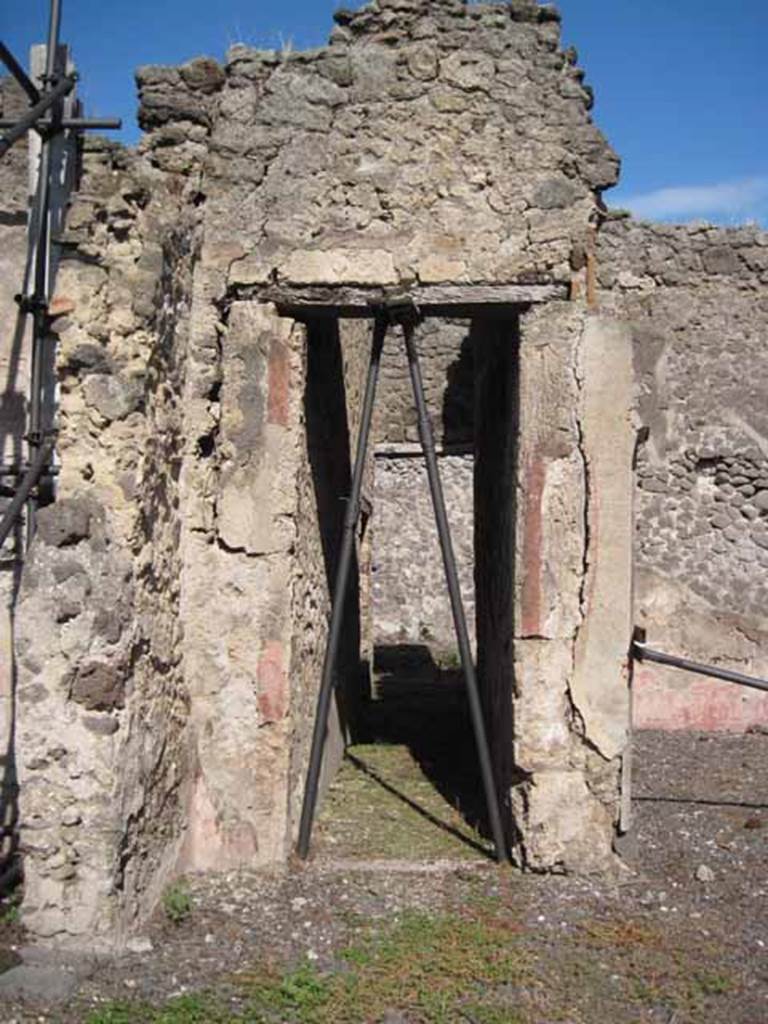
x=694, y=703
x=279, y=384
x=272, y=683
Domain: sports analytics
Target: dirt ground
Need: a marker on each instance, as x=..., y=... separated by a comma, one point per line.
x=401, y=917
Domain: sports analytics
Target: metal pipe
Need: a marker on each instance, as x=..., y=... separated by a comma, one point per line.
x=645, y=653
x=39, y=319
x=28, y=120
x=33, y=474
x=42, y=263
x=54, y=26
x=20, y=75
x=339, y=594
x=457, y=605
x=76, y=123
x=19, y=469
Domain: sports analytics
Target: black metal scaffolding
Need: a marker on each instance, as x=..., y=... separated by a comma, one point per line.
x=46, y=116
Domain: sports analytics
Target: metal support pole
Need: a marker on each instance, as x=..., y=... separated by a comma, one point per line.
x=47, y=100
x=339, y=595
x=20, y=75
x=54, y=28
x=457, y=605
x=39, y=318
x=33, y=474
x=644, y=653
x=42, y=263
x=77, y=123
x=33, y=115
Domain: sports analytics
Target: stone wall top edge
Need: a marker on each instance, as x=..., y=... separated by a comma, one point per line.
x=363, y=24
x=724, y=233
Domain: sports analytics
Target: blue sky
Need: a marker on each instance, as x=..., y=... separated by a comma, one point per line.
x=681, y=85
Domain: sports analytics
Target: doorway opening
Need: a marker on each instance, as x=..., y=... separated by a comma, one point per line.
x=410, y=784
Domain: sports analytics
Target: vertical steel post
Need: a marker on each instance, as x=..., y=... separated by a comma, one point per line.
x=40, y=295
x=452, y=579
x=338, y=598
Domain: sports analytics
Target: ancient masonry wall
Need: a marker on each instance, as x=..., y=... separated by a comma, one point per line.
x=97, y=631
x=410, y=603
x=695, y=301
x=173, y=608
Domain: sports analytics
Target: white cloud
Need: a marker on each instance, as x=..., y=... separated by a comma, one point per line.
x=729, y=201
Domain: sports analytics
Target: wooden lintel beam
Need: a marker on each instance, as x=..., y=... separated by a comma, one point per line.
x=432, y=300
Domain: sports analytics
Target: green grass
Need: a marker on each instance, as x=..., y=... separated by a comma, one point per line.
x=10, y=915
x=477, y=964
x=434, y=969
x=389, y=806
x=177, y=902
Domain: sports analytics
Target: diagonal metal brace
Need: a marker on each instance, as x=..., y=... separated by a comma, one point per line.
x=34, y=472
x=33, y=115
x=643, y=652
x=19, y=74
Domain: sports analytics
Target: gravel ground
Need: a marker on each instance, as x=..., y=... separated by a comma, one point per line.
x=682, y=939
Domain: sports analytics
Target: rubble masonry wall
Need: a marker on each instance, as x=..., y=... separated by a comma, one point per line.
x=694, y=300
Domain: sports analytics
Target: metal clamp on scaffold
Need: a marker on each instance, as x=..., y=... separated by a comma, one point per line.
x=400, y=308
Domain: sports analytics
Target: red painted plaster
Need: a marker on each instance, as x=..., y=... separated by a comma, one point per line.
x=272, y=682
x=530, y=611
x=279, y=381
x=701, y=704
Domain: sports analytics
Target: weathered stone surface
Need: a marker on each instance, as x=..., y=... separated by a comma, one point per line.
x=600, y=685
x=410, y=601
x=98, y=686
x=203, y=73
x=698, y=341
x=339, y=267
x=113, y=398
x=68, y=522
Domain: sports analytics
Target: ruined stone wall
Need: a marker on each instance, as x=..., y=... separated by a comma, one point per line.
x=427, y=143
x=695, y=300
x=410, y=595
x=439, y=143
x=446, y=359
x=174, y=606
x=572, y=591
x=98, y=638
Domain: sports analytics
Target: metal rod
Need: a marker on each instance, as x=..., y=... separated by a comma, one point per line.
x=457, y=605
x=39, y=319
x=20, y=75
x=33, y=474
x=339, y=594
x=648, y=654
x=54, y=26
x=76, y=123
x=16, y=469
x=42, y=263
x=29, y=119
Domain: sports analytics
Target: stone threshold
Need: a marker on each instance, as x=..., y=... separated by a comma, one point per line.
x=414, y=450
